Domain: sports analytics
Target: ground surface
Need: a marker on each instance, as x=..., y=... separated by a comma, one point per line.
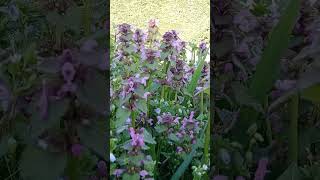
x=189, y=17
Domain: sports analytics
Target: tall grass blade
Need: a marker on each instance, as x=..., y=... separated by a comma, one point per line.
x=197, y=74
x=268, y=69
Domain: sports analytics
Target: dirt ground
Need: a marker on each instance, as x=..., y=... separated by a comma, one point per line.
x=191, y=18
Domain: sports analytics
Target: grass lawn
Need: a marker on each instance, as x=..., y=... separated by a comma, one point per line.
x=191, y=18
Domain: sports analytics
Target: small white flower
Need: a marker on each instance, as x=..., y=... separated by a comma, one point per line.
x=128, y=121
x=205, y=167
x=112, y=157
x=42, y=144
x=180, y=111
x=158, y=110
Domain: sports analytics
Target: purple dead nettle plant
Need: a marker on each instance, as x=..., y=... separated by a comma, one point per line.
x=69, y=77
x=262, y=169
x=124, y=44
x=130, y=93
x=186, y=129
x=137, y=102
x=172, y=46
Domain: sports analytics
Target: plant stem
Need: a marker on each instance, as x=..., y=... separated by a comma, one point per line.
x=206, y=143
x=268, y=124
x=176, y=96
x=201, y=103
x=87, y=16
x=133, y=121
x=293, y=136
x=162, y=93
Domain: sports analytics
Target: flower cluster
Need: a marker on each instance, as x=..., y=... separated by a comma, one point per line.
x=124, y=39
x=141, y=117
x=136, y=138
x=172, y=46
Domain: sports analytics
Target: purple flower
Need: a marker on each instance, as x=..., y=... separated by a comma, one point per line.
x=102, y=168
x=143, y=173
x=167, y=118
x=43, y=104
x=144, y=80
x=179, y=149
x=68, y=71
x=261, y=170
x=139, y=36
x=67, y=55
x=76, y=150
x=202, y=46
x=240, y=178
x=228, y=68
x=245, y=21
x=124, y=28
x=146, y=94
x=285, y=85
x=276, y=94
x=153, y=23
x=136, y=139
x=150, y=55
x=220, y=177
x=118, y=172
x=93, y=177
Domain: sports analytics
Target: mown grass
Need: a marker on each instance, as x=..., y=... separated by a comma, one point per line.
x=189, y=17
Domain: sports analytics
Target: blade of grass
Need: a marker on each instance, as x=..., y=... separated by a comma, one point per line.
x=268, y=69
x=197, y=74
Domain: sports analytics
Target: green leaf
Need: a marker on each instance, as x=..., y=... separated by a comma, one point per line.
x=173, y=137
x=148, y=137
x=268, y=69
x=94, y=137
x=56, y=109
x=312, y=94
x=93, y=91
x=243, y=98
x=292, y=173
x=122, y=116
x=160, y=128
x=72, y=19
x=37, y=164
x=142, y=105
x=127, y=176
x=197, y=74
x=50, y=65
x=4, y=146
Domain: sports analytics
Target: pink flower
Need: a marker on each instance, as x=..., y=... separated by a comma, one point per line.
x=261, y=170
x=76, y=150
x=137, y=139
x=179, y=149
x=228, y=67
x=144, y=80
x=102, y=168
x=143, y=173
x=68, y=71
x=220, y=177
x=146, y=94
x=153, y=23
x=118, y=172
